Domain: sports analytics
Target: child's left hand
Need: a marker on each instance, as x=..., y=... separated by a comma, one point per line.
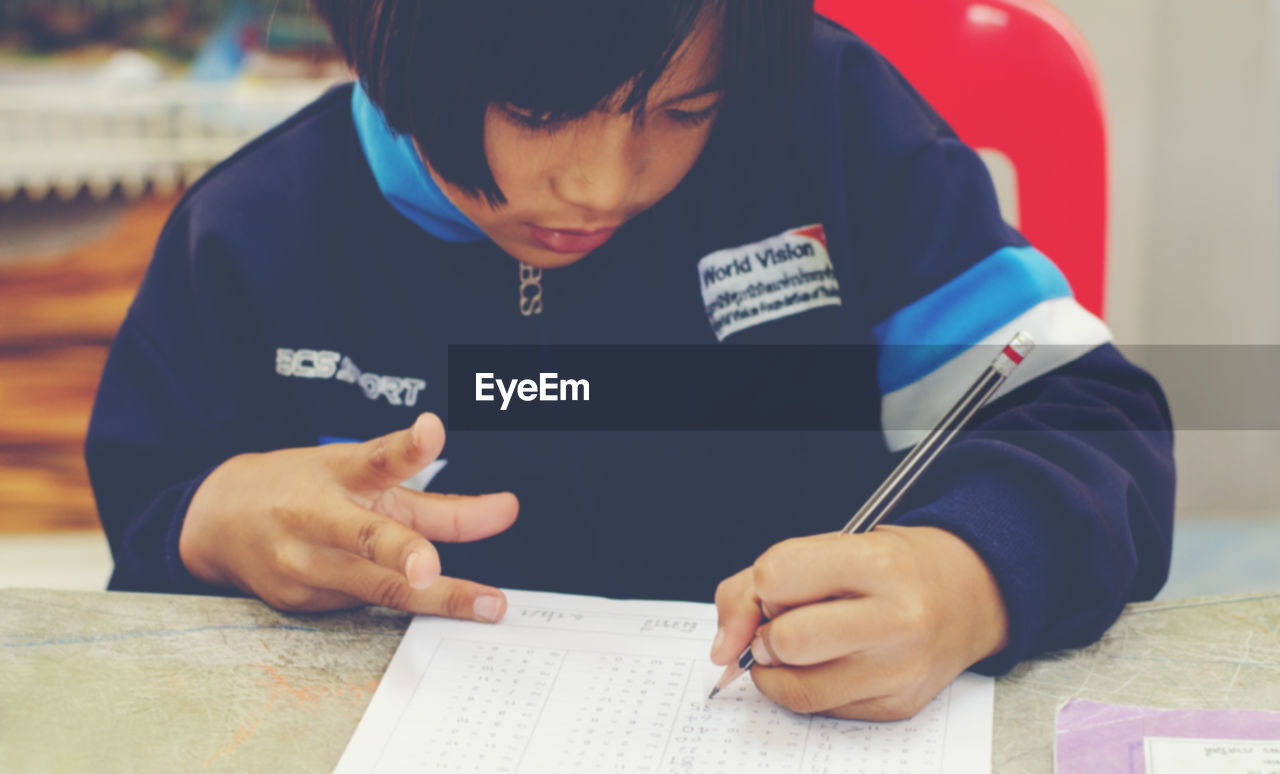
x=869, y=626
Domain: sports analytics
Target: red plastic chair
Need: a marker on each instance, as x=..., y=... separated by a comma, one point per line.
x=1017, y=77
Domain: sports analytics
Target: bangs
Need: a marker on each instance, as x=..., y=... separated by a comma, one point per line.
x=435, y=66
x=569, y=57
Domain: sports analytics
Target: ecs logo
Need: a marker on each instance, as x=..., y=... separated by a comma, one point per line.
x=327, y=364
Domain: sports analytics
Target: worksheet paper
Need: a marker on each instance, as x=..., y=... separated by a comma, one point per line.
x=570, y=684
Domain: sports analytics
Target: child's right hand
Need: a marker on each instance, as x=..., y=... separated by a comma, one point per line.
x=330, y=527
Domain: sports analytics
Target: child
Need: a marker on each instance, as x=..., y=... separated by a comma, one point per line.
x=580, y=172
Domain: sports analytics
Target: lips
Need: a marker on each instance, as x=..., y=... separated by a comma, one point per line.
x=570, y=240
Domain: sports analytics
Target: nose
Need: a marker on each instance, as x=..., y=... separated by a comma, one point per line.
x=602, y=163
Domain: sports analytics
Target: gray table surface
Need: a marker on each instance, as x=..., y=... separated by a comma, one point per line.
x=106, y=682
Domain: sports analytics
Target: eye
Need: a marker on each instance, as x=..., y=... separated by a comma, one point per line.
x=544, y=121
x=693, y=117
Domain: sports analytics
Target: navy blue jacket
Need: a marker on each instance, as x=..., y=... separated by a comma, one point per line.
x=288, y=303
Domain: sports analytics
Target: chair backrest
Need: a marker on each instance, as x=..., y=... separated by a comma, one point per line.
x=1014, y=76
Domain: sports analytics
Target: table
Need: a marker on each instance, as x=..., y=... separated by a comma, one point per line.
x=103, y=682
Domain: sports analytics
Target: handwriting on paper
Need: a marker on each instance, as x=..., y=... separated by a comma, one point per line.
x=681, y=625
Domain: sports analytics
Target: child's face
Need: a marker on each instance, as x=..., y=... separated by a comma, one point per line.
x=570, y=186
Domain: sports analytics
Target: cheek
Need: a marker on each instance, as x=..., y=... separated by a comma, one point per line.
x=515, y=161
x=673, y=154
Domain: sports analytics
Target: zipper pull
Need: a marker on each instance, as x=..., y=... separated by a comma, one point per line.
x=530, y=289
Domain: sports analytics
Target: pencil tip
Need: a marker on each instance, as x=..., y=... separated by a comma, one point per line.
x=714, y=691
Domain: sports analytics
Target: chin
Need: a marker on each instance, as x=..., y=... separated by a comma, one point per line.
x=547, y=259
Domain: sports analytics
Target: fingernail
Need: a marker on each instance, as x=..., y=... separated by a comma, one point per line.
x=760, y=653
x=717, y=642
x=416, y=581
x=487, y=608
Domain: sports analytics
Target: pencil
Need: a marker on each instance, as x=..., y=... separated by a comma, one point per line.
x=900, y=480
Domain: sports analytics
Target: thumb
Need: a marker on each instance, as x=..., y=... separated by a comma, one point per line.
x=384, y=462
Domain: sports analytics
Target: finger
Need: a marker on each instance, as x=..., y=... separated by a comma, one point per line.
x=385, y=461
x=349, y=576
x=883, y=709
x=446, y=517
x=834, y=684
x=813, y=634
x=378, y=539
x=309, y=599
x=804, y=570
x=739, y=616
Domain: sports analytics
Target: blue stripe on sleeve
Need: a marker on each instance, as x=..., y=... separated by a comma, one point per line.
x=941, y=325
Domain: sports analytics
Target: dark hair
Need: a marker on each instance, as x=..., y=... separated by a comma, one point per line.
x=434, y=66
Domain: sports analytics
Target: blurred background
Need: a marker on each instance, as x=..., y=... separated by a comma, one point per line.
x=110, y=108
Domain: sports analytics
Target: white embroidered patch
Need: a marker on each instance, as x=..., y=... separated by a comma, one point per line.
x=777, y=277
x=327, y=364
